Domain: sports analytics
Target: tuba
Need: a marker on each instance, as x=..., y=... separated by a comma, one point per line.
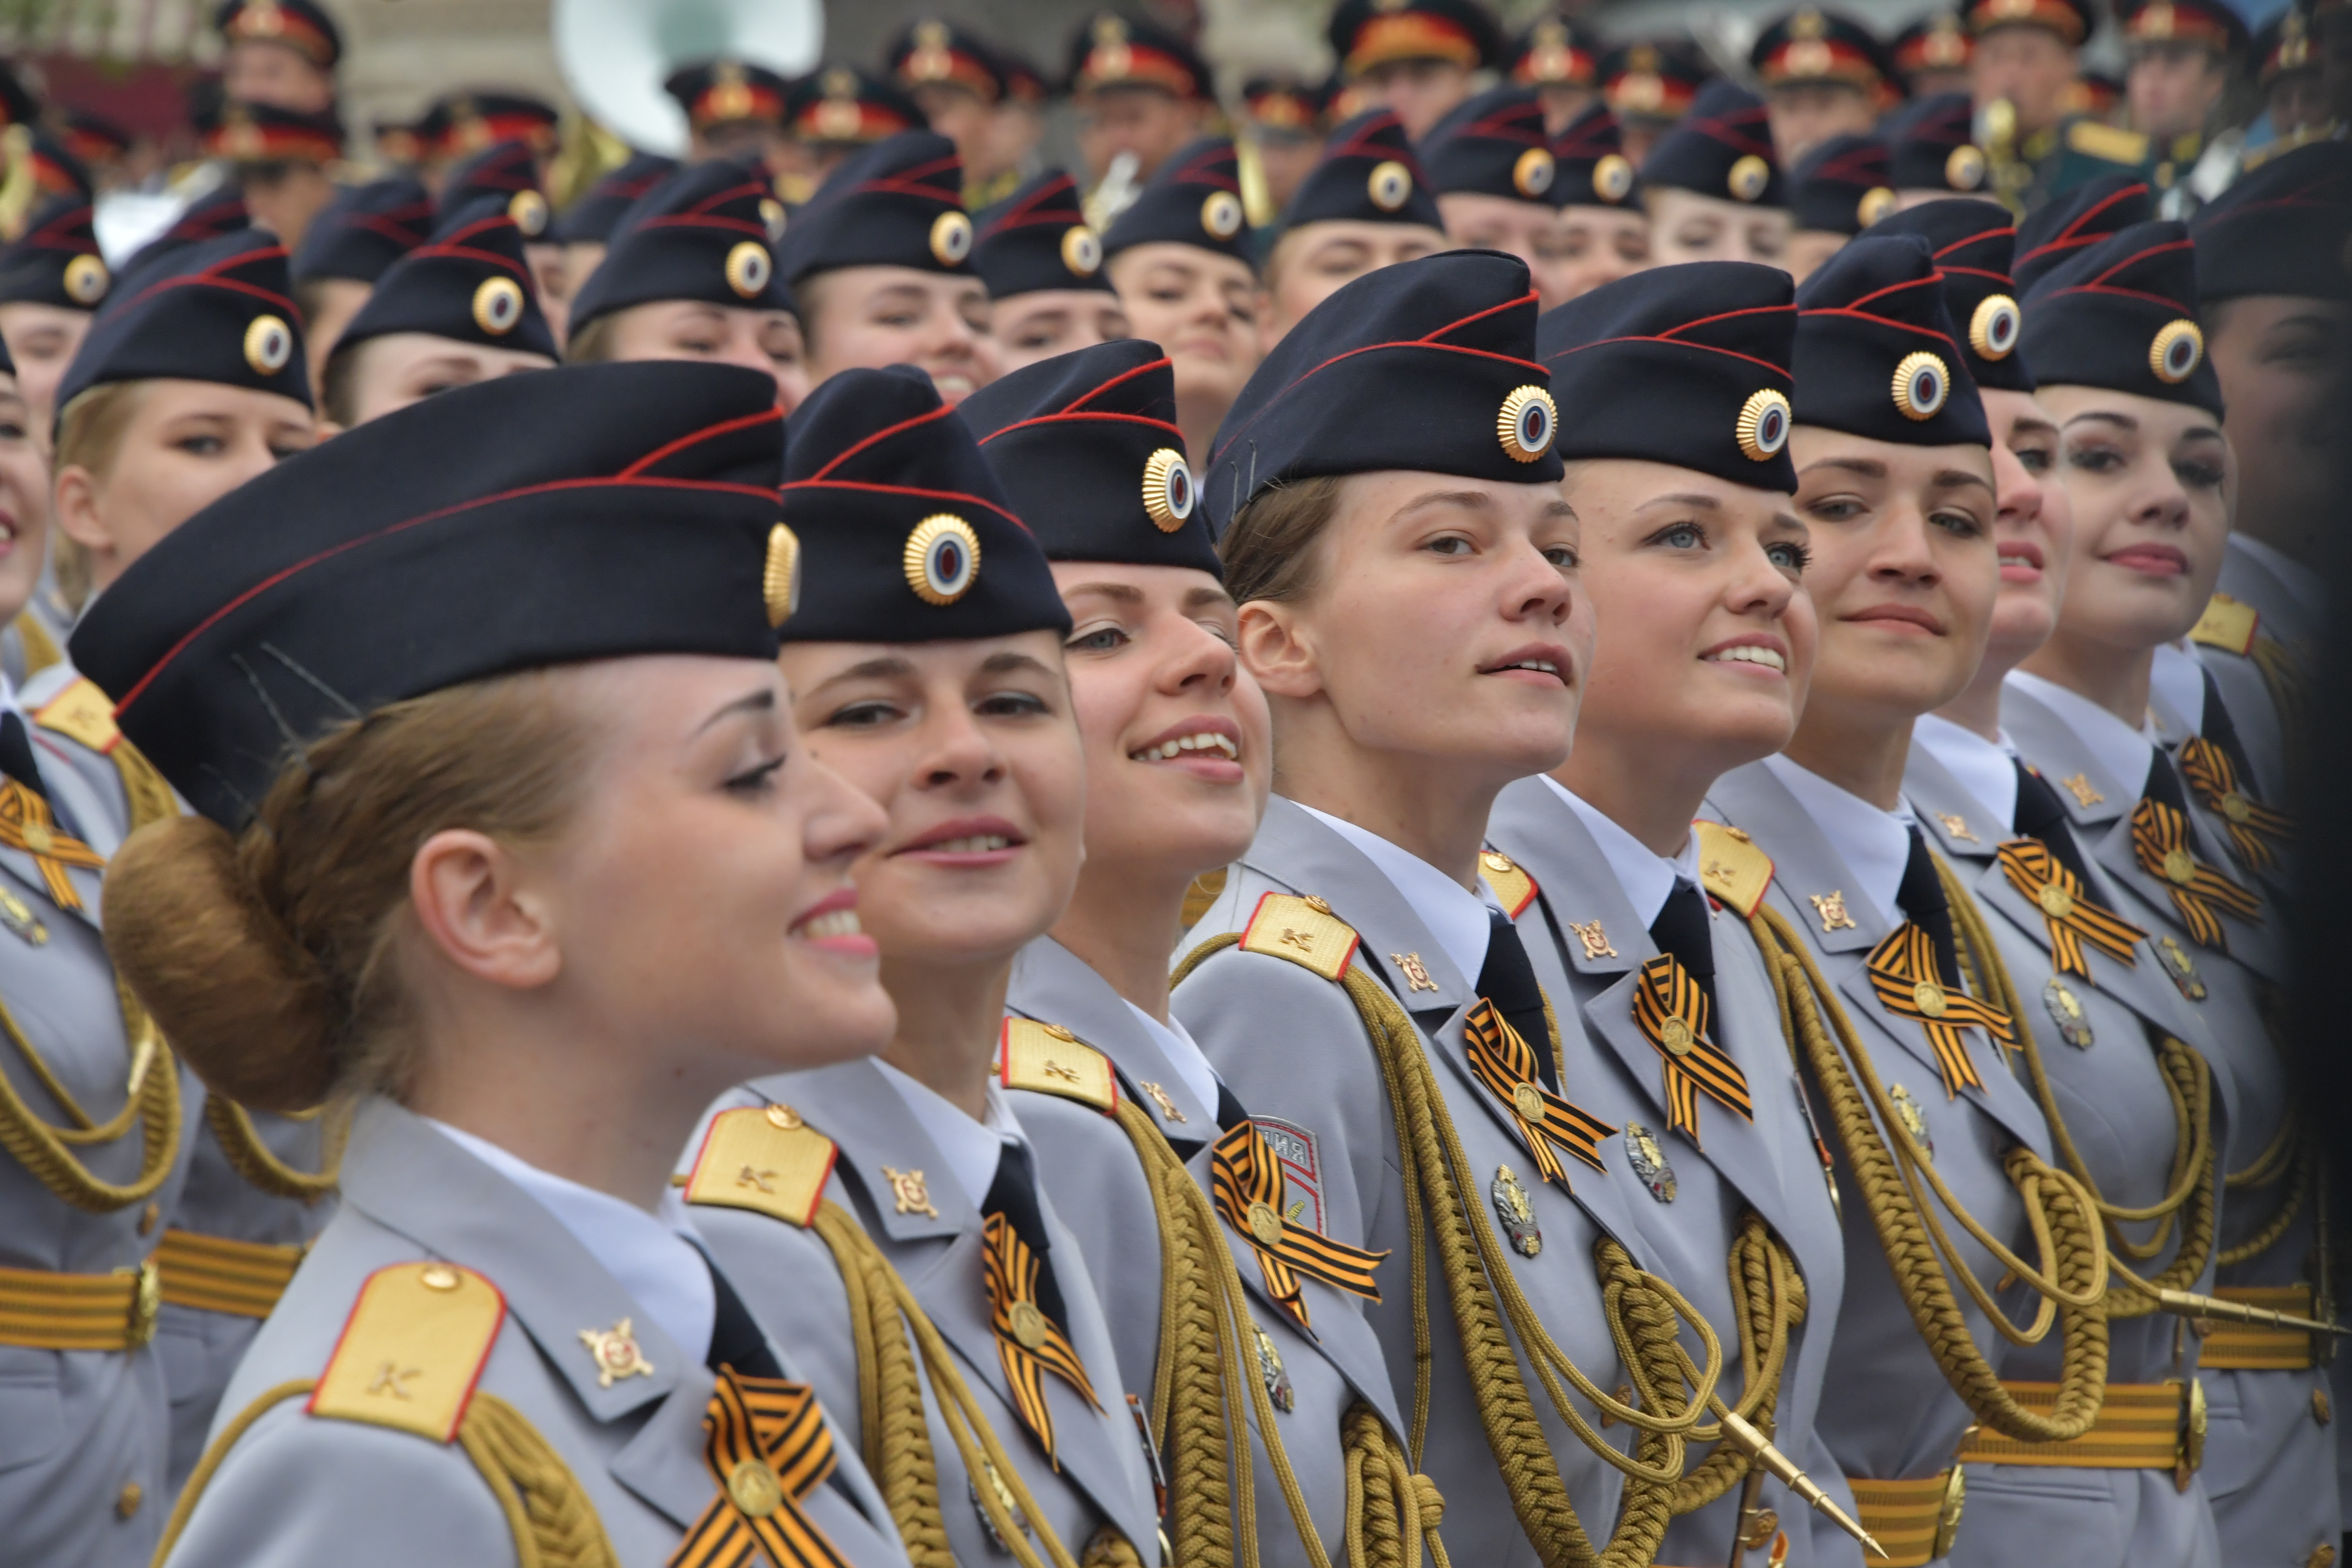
x=616, y=54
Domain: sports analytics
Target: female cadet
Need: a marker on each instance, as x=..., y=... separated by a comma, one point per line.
x=1177, y=758
x=2112, y=1052
x=192, y=383
x=2111, y=336
x=1390, y=466
x=1044, y=266
x=1498, y=186
x=362, y=231
x=926, y=665
x=1181, y=258
x=691, y=274
x=1365, y=204
x=510, y=169
x=457, y=310
x=1714, y=192
x=1943, y=1170
x=1604, y=232
x=1693, y=554
x=51, y=279
x=586, y=227
x=530, y=897
x=880, y=261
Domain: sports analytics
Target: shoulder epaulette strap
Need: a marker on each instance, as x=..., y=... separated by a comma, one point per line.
x=1509, y=884
x=2227, y=623
x=41, y=650
x=764, y=1159
x=1302, y=929
x=1046, y=1058
x=1733, y=871
x=2097, y=140
x=81, y=712
x=412, y=1350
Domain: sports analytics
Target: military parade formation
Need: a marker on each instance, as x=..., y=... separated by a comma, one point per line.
x=1531, y=809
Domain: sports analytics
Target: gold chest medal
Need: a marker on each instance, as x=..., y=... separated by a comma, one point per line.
x=1649, y=1162
x=1906, y=1106
x=2181, y=967
x=2066, y=1012
x=1269, y=1367
x=1518, y=1215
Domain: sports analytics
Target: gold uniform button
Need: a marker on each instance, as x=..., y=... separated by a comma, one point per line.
x=2321, y=1410
x=438, y=1276
x=127, y=1501
x=150, y=1217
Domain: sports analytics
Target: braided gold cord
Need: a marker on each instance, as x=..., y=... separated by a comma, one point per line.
x=1771, y=1295
x=2299, y=1167
x=254, y=1160
x=46, y=1149
x=896, y=1443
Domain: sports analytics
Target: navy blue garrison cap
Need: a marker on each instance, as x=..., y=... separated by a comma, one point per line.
x=1876, y=355
x=1841, y=186
x=1592, y=170
x=1038, y=238
x=2075, y=222
x=469, y=282
x=364, y=230
x=1494, y=145
x=221, y=211
x=1722, y=148
x=219, y=311
x=1086, y=448
x=1686, y=364
x=1931, y=146
x=1194, y=199
x=507, y=170
x=595, y=511
x=2123, y=315
x=703, y=233
x=904, y=534
x=591, y=219
x=1970, y=242
x=2284, y=229
x=1368, y=174
x=1428, y=365
x=56, y=262
x=898, y=202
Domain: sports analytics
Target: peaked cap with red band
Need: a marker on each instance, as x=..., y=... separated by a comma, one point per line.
x=899, y=202
x=463, y=122
x=1086, y=448
x=1417, y=365
x=2283, y=228
x=2212, y=23
x=1970, y=243
x=364, y=230
x=2123, y=315
x=1115, y=49
x=1194, y=199
x=297, y=25
x=935, y=53
x=45, y=264
x=1369, y=173
x=1876, y=354
x=221, y=309
x=589, y=512
x=702, y=234
x=265, y=133
x=450, y=287
x=1933, y=43
x=1553, y=53
x=1722, y=148
x=1651, y=81
x=2072, y=20
x=850, y=104
x=1494, y=144
x=722, y=92
x=1366, y=35
x=1676, y=364
x=1809, y=45
x=2075, y=222
x=1038, y=238
x=904, y=534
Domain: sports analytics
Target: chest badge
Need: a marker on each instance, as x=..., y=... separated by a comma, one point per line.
x=2181, y=967
x=18, y=917
x=2066, y=1012
x=615, y=1353
x=1416, y=974
x=2085, y=792
x=1517, y=1213
x=1649, y=1162
x=1005, y=1500
x=1957, y=827
x=1270, y=1368
x=1830, y=908
x=909, y=1191
x=1595, y=939
x=1914, y=1120
x=1164, y=1100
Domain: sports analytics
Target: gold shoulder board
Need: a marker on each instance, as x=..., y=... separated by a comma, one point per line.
x=2095, y=140
x=1731, y=867
x=412, y=1350
x=1303, y=930
x=81, y=712
x=1512, y=886
x=764, y=1159
x=1046, y=1058
x=2227, y=624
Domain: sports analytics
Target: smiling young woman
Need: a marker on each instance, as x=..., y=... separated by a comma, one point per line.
x=530, y=907
x=926, y=665
x=2173, y=820
x=1405, y=564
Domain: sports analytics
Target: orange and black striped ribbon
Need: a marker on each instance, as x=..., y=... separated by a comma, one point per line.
x=1012, y=1270
x=1664, y=993
x=1246, y=1177
x=2160, y=842
x=768, y=1447
x=1505, y=1064
x=1903, y=973
x=2252, y=825
x=26, y=824
x=2072, y=917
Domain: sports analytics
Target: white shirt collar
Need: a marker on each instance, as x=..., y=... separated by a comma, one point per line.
x=2302, y=583
x=647, y=1253
x=1184, y=1054
x=2177, y=683
x=1875, y=845
x=971, y=1149
x=1455, y=915
x=2124, y=752
x=1646, y=877
x=1986, y=769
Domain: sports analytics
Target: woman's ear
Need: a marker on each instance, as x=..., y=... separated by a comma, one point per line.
x=76, y=512
x=479, y=906
x=1277, y=648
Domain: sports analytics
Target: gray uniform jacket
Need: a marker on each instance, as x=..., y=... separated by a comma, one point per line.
x=1294, y=1049
x=1890, y=1414
x=199, y=1348
x=82, y=1451
x=1768, y=1165
x=2270, y=1466
x=2111, y=1092
x=1087, y=1162
x=789, y=1280
x=295, y=1489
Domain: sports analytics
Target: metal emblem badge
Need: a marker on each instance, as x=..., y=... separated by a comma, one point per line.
x=1830, y=908
x=1269, y=1367
x=908, y=1192
x=1003, y=1499
x=2085, y=792
x=615, y=1353
x=1416, y=974
x=1957, y=827
x=2181, y=967
x=1595, y=939
x=1167, y=1104
x=1649, y=1162
x=2066, y=1012
x=1906, y=1106
x=18, y=917
x=1517, y=1213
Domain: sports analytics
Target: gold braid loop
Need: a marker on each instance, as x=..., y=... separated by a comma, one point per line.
x=254, y=1160
x=1769, y=1293
x=898, y=1440
x=2060, y=1212
x=1393, y=1514
x=2295, y=1167
x=46, y=1149
x=1109, y=1549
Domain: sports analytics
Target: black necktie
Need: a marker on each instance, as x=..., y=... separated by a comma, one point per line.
x=1230, y=1112
x=2163, y=785
x=735, y=1337
x=1921, y=899
x=16, y=760
x=2219, y=728
x=2041, y=816
x=1508, y=980
x=1683, y=930
x=1014, y=1194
